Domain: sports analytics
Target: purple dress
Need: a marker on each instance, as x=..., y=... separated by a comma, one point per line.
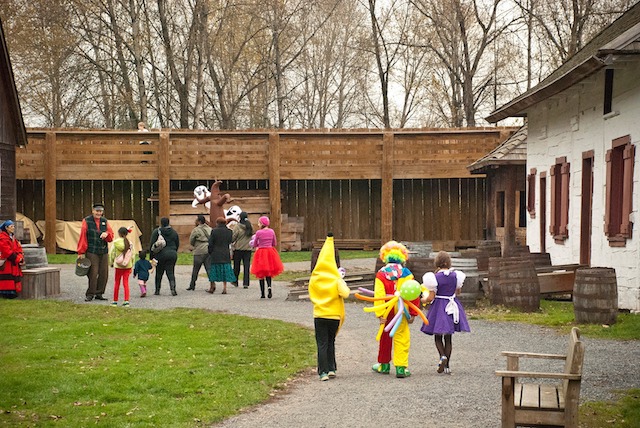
x=442, y=318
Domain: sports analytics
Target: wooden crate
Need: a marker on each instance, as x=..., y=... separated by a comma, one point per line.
x=39, y=283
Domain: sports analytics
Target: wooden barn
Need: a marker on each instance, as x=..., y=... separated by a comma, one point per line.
x=582, y=161
x=504, y=168
x=12, y=133
x=366, y=186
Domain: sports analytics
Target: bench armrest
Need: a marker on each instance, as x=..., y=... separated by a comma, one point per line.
x=534, y=355
x=567, y=376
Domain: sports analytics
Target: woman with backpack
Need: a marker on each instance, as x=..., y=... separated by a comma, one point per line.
x=164, y=246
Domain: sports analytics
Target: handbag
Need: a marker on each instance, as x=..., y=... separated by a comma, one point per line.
x=124, y=258
x=159, y=244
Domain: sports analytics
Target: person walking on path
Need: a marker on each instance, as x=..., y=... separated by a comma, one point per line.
x=12, y=257
x=121, y=258
x=240, y=239
x=199, y=240
x=95, y=233
x=446, y=314
x=389, y=280
x=266, y=262
x=327, y=291
x=141, y=269
x=165, y=256
x=219, y=245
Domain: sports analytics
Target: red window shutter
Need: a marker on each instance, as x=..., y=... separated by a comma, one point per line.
x=553, y=227
x=627, y=191
x=607, y=214
x=531, y=195
x=564, y=203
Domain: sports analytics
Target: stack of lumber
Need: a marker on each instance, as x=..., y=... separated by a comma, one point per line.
x=291, y=233
x=352, y=244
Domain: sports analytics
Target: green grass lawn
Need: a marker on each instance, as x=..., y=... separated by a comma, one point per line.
x=187, y=258
x=76, y=365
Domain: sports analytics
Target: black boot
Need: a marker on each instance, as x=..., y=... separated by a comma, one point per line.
x=262, y=288
x=173, y=289
x=269, y=285
x=157, y=293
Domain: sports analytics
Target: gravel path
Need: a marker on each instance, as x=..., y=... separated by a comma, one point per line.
x=470, y=397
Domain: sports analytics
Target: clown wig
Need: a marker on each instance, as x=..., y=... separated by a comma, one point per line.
x=394, y=252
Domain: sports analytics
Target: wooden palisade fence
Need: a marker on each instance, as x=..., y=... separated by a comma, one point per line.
x=400, y=184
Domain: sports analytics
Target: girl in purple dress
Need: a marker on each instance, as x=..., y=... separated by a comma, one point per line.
x=446, y=314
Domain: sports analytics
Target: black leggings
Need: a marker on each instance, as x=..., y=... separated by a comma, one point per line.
x=444, y=346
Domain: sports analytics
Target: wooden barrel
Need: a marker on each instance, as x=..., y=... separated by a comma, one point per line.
x=519, y=284
x=516, y=251
x=316, y=252
x=471, y=287
x=493, y=248
x=595, y=296
x=419, y=249
x=541, y=259
x=419, y=266
x=480, y=255
x=34, y=256
x=493, y=291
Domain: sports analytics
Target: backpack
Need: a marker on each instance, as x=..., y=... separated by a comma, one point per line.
x=124, y=258
x=159, y=244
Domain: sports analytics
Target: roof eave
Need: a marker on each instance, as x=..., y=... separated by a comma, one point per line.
x=517, y=107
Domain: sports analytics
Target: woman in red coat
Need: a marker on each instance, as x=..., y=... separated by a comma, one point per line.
x=11, y=253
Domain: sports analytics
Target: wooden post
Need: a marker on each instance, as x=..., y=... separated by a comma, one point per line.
x=386, y=217
x=274, y=184
x=164, y=177
x=510, y=207
x=50, y=178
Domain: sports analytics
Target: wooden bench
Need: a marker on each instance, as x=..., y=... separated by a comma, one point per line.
x=557, y=279
x=543, y=404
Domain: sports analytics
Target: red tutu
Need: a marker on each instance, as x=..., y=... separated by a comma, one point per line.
x=266, y=263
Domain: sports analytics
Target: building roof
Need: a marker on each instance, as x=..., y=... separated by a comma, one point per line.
x=7, y=81
x=620, y=38
x=513, y=151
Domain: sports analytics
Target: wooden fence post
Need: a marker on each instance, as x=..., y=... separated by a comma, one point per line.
x=50, y=178
x=274, y=184
x=164, y=177
x=386, y=216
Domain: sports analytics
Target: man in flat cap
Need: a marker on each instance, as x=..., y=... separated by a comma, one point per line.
x=94, y=235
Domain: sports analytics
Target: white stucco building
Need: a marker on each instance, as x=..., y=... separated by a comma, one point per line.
x=583, y=173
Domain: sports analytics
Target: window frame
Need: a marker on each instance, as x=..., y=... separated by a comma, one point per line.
x=560, y=174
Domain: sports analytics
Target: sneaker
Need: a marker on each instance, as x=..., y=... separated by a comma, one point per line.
x=447, y=370
x=114, y=303
x=324, y=377
x=88, y=298
x=100, y=297
x=402, y=372
x=126, y=303
x=382, y=368
x=269, y=294
x=235, y=283
x=331, y=374
x=442, y=363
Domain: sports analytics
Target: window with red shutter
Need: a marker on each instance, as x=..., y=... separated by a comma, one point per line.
x=619, y=191
x=560, y=174
x=531, y=193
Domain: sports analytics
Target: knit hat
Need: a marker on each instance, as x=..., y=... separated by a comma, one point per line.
x=264, y=220
x=325, y=275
